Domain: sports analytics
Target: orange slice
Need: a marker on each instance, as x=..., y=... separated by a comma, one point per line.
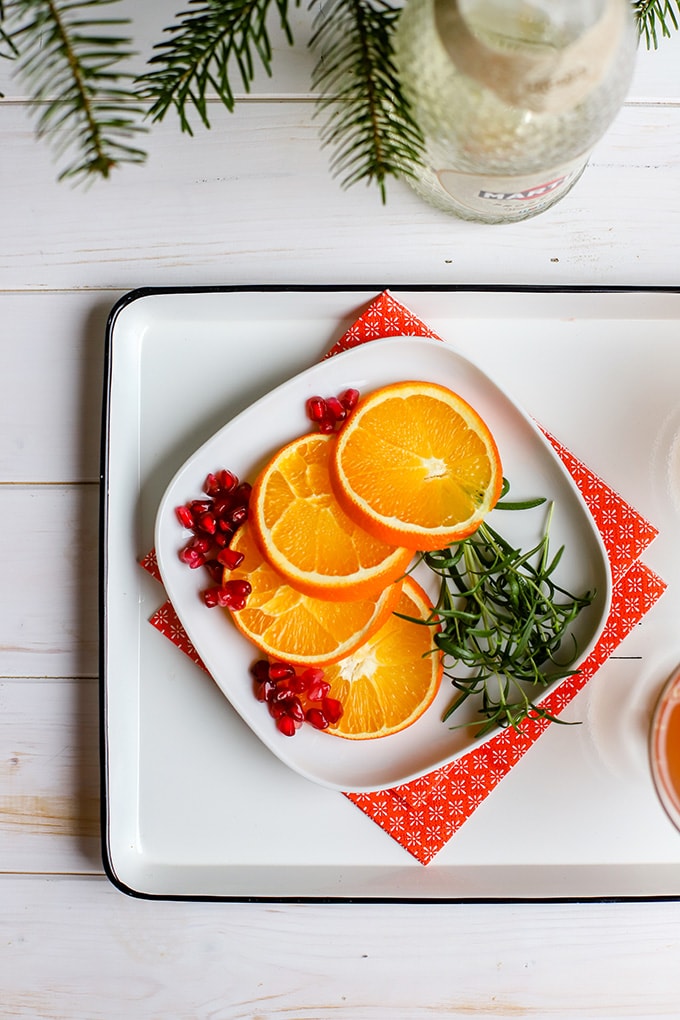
x=416, y=465
x=289, y=625
x=306, y=535
x=387, y=683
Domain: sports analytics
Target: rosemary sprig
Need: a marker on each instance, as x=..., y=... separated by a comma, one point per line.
x=504, y=618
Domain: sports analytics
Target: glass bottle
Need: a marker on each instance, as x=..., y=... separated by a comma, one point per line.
x=511, y=97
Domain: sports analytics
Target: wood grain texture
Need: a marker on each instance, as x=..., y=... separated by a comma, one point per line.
x=121, y=957
x=52, y=365
x=253, y=200
x=48, y=586
x=49, y=776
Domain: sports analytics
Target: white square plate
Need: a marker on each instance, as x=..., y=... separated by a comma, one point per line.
x=253, y=436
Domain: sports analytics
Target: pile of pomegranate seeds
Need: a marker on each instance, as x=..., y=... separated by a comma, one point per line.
x=213, y=519
x=295, y=698
x=330, y=413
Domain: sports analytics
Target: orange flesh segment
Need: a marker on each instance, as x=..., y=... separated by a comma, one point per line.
x=391, y=680
x=287, y=624
x=306, y=535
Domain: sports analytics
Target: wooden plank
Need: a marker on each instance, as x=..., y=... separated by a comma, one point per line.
x=48, y=582
x=49, y=776
x=253, y=200
x=78, y=950
x=52, y=363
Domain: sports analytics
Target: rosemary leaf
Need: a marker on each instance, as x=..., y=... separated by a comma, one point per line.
x=504, y=619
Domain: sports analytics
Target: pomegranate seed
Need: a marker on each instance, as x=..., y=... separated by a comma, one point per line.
x=317, y=718
x=283, y=694
x=185, y=516
x=230, y=558
x=276, y=709
x=265, y=690
x=221, y=507
x=295, y=709
x=260, y=669
x=335, y=409
x=238, y=515
x=311, y=674
x=225, y=528
x=242, y=493
x=199, y=544
x=211, y=486
x=316, y=409
x=211, y=597
x=318, y=690
x=220, y=539
x=192, y=558
x=231, y=595
x=199, y=506
x=332, y=709
x=207, y=523
x=327, y=426
x=227, y=480
x=281, y=670
x=297, y=684
x=349, y=399
x=215, y=570
x=286, y=725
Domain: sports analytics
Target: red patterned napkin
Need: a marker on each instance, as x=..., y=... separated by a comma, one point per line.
x=424, y=814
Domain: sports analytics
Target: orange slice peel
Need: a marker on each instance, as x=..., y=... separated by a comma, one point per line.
x=417, y=466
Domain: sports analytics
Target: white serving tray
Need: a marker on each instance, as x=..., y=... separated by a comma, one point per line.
x=194, y=805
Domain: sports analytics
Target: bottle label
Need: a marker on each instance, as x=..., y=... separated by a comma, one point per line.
x=482, y=193
x=527, y=74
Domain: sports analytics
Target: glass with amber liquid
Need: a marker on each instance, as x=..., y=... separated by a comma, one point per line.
x=665, y=748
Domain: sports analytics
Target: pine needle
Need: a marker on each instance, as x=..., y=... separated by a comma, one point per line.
x=70, y=59
x=368, y=121
x=206, y=43
x=654, y=16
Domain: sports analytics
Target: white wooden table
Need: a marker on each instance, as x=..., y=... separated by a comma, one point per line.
x=252, y=202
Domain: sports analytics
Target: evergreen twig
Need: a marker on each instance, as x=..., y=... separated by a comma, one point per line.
x=71, y=62
x=654, y=16
x=196, y=60
x=368, y=121
x=7, y=47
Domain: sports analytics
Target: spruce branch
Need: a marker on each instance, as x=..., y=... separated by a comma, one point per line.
x=654, y=16
x=7, y=48
x=70, y=60
x=368, y=120
x=206, y=40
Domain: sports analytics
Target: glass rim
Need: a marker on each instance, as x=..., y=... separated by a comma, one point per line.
x=668, y=700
